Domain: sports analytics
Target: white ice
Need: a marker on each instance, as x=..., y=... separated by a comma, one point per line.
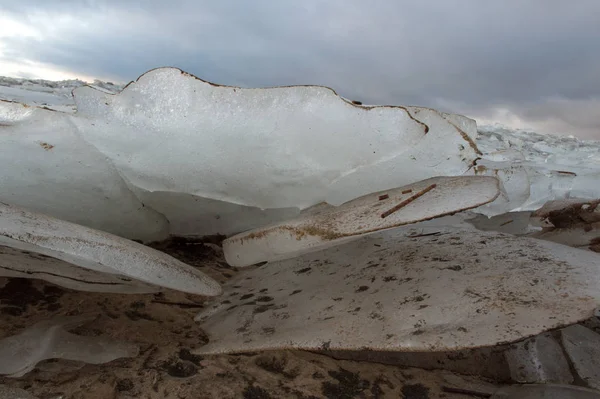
x=98, y=251
x=124, y=163
x=537, y=168
x=325, y=226
x=445, y=289
x=174, y=155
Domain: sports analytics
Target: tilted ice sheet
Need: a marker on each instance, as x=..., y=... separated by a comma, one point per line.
x=442, y=290
x=99, y=251
x=325, y=225
x=51, y=101
x=19, y=262
x=539, y=359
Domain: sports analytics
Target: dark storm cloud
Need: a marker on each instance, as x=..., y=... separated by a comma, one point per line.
x=535, y=58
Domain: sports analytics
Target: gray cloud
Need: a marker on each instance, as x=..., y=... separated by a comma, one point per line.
x=535, y=58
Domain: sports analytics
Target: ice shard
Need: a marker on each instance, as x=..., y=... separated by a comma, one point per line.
x=98, y=251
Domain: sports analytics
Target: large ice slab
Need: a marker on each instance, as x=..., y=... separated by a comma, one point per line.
x=172, y=154
x=98, y=251
x=442, y=290
x=45, y=166
x=325, y=225
x=264, y=153
x=269, y=148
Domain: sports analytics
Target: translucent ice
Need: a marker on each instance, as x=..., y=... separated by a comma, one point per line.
x=537, y=168
x=50, y=340
x=98, y=251
x=22, y=263
x=254, y=155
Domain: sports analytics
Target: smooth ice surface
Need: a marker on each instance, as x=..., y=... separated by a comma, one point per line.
x=325, y=225
x=258, y=147
x=190, y=215
x=442, y=290
x=46, y=167
x=19, y=262
x=99, y=251
x=264, y=153
x=50, y=340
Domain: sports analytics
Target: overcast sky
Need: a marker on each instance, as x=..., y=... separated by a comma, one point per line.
x=524, y=63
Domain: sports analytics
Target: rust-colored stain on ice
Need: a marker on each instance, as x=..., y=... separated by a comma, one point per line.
x=46, y=146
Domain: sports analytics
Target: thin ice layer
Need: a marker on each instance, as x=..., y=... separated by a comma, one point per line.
x=99, y=251
x=327, y=226
x=30, y=264
x=50, y=340
x=437, y=291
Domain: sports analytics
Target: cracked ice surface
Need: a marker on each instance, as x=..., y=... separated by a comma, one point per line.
x=535, y=168
x=172, y=154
